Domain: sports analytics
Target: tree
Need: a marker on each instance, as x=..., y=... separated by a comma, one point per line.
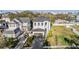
x=50, y=33
x=12, y=16
x=29, y=41
x=25, y=14
x=11, y=42
x=61, y=16
x=46, y=43
x=2, y=43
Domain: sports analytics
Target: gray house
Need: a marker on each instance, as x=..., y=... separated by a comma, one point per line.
x=24, y=23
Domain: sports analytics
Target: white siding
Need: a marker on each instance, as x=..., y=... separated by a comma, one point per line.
x=47, y=26
x=77, y=17
x=13, y=26
x=26, y=26
x=36, y=32
x=9, y=35
x=38, y=26
x=6, y=19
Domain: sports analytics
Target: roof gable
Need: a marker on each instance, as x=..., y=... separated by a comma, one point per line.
x=24, y=19
x=41, y=19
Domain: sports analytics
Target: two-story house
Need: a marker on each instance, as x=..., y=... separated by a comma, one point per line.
x=12, y=25
x=12, y=33
x=77, y=18
x=22, y=22
x=25, y=23
x=13, y=30
x=41, y=25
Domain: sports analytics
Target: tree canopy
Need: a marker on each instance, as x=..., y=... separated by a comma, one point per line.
x=31, y=15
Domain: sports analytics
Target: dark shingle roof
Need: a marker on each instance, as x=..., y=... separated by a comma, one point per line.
x=24, y=19
x=17, y=30
x=4, y=25
x=41, y=19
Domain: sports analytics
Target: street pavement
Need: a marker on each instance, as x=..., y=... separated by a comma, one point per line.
x=37, y=43
x=22, y=40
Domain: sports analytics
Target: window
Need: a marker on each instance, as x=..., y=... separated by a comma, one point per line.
x=38, y=24
x=35, y=24
x=42, y=24
x=45, y=23
x=12, y=25
x=45, y=29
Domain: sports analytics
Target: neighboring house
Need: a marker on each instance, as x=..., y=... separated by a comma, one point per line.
x=6, y=18
x=12, y=25
x=65, y=23
x=16, y=20
x=72, y=21
x=41, y=25
x=77, y=18
x=12, y=33
x=61, y=21
x=25, y=23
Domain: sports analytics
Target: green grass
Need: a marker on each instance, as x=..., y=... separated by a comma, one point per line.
x=1, y=21
x=29, y=41
x=58, y=34
x=62, y=41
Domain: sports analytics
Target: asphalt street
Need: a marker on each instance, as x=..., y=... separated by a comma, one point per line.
x=37, y=43
x=22, y=40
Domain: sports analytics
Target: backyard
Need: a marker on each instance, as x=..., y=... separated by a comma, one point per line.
x=61, y=36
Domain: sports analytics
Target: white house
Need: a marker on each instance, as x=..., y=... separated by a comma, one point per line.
x=5, y=17
x=12, y=33
x=41, y=25
x=61, y=21
x=65, y=23
x=77, y=18
x=12, y=25
x=13, y=29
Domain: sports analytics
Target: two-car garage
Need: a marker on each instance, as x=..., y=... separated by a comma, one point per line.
x=38, y=32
